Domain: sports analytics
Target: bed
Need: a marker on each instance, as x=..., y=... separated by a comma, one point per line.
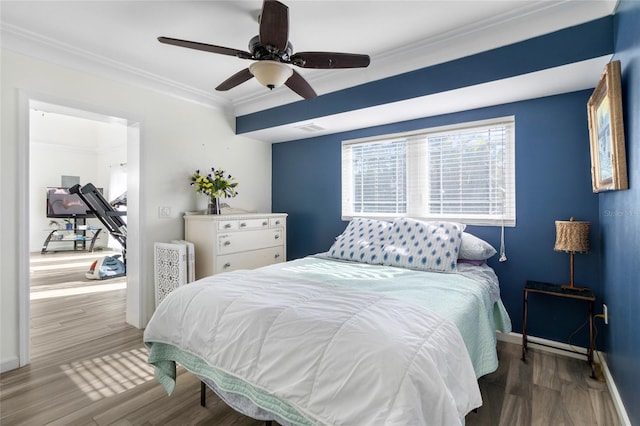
x=352, y=336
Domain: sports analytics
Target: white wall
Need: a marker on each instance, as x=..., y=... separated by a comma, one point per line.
x=177, y=137
x=61, y=144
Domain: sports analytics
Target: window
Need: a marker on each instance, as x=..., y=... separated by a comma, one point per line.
x=463, y=173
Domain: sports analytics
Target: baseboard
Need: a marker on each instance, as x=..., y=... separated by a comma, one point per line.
x=560, y=349
x=547, y=345
x=613, y=390
x=9, y=364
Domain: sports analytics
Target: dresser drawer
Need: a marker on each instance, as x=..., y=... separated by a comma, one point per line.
x=276, y=222
x=250, y=259
x=242, y=224
x=227, y=225
x=253, y=223
x=234, y=242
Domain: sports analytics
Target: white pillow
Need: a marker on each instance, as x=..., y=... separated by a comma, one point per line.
x=428, y=246
x=361, y=241
x=474, y=248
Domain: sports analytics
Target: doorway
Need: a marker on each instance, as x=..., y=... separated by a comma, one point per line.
x=130, y=130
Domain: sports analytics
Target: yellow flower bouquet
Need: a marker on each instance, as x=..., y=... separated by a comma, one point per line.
x=214, y=185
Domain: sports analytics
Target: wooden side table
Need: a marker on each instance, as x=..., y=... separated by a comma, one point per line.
x=559, y=291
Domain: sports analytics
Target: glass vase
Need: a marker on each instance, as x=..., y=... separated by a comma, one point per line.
x=213, y=207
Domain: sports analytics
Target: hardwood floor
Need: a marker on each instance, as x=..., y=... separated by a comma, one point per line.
x=89, y=368
x=66, y=307
x=547, y=390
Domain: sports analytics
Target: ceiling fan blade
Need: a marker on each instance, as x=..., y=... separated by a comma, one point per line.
x=274, y=25
x=206, y=47
x=300, y=86
x=235, y=80
x=327, y=60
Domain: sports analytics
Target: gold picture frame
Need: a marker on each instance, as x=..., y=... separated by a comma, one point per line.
x=606, y=132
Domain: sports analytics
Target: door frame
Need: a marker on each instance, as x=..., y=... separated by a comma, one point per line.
x=135, y=296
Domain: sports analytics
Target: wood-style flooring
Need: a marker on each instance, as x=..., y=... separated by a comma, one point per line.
x=88, y=367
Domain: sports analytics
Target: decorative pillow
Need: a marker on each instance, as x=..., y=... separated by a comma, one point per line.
x=474, y=248
x=361, y=241
x=429, y=246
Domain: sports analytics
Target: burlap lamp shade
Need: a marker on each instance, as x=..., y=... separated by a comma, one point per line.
x=572, y=236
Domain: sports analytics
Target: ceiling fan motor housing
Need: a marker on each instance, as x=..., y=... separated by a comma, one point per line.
x=261, y=52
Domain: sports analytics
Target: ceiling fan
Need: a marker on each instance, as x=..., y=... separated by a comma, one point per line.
x=274, y=53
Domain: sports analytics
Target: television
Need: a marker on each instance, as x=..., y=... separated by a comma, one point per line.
x=63, y=204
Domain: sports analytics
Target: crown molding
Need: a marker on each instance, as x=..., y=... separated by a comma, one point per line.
x=30, y=43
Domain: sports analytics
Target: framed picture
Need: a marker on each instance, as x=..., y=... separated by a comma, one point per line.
x=606, y=132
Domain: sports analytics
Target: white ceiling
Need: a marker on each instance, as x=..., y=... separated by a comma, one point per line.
x=118, y=39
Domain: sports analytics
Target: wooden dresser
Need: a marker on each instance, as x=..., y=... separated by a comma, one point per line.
x=229, y=242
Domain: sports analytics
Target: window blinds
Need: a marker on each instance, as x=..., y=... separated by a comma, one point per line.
x=378, y=177
x=463, y=173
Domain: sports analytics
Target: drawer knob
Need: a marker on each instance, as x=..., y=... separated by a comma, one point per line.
x=265, y=223
x=227, y=226
x=277, y=222
x=243, y=225
x=276, y=236
x=227, y=243
x=277, y=256
x=227, y=265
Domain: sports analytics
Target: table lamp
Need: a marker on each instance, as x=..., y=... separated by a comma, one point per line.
x=572, y=236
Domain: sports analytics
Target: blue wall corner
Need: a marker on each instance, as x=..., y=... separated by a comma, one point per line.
x=620, y=225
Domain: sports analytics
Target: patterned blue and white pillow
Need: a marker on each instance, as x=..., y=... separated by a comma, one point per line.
x=428, y=246
x=362, y=241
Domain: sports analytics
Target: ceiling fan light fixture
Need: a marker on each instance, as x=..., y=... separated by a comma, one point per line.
x=270, y=74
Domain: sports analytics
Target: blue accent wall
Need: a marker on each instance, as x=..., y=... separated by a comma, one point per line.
x=620, y=225
x=553, y=182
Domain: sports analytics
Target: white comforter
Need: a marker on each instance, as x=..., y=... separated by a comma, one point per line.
x=339, y=356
